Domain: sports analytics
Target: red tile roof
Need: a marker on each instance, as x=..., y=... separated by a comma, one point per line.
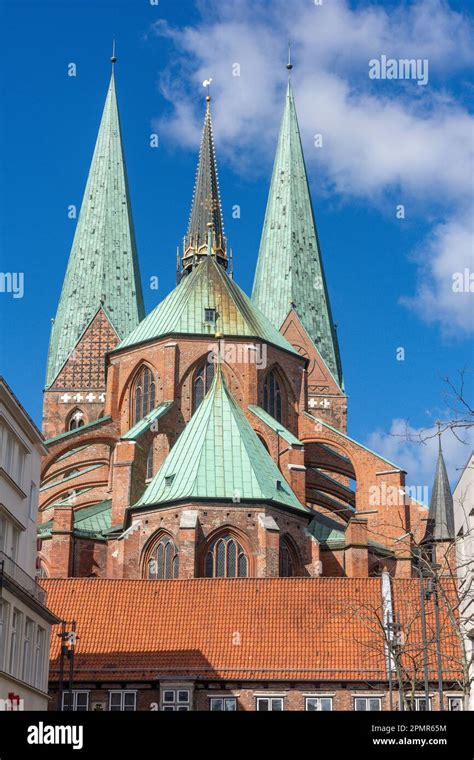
x=232, y=629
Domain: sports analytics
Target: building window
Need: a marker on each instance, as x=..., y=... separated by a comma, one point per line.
x=27, y=650
x=33, y=505
x=454, y=703
x=3, y=533
x=418, y=704
x=76, y=420
x=3, y=630
x=287, y=560
x=149, y=463
x=226, y=559
x=220, y=704
x=368, y=703
x=14, y=642
x=318, y=704
x=143, y=395
x=272, y=396
x=14, y=542
x=76, y=701
x=202, y=381
x=210, y=316
x=164, y=560
x=268, y=704
x=40, y=655
x=176, y=700
x=123, y=701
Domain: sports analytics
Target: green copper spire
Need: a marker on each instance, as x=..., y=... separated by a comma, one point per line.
x=219, y=456
x=290, y=269
x=206, y=205
x=440, y=524
x=103, y=268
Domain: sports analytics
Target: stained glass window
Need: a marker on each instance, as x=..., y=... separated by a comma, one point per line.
x=143, y=394
x=272, y=396
x=163, y=561
x=226, y=558
x=203, y=378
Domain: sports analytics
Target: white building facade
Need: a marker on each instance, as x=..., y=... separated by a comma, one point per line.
x=25, y=621
x=463, y=498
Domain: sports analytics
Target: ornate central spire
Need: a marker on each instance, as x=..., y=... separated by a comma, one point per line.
x=206, y=205
x=440, y=524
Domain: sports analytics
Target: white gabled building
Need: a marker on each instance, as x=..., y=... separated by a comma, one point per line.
x=25, y=621
x=463, y=497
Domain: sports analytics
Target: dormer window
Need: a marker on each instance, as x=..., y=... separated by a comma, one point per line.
x=210, y=316
x=169, y=479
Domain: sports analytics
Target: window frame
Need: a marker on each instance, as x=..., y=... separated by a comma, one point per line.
x=273, y=395
x=27, y=649
x=143, y=393
x=203, y=377
x=123, y=693
x=211, y=556
x=318, y=698
x=165, y=540
x=224, y=700
x=270, y=701
x=457, y=698
x=175, y=704
x=367, y=700
x=40, y=656
x=15, y=639
x=75, y=694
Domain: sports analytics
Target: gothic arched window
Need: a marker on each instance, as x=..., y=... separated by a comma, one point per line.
x=143, y=395
x=287, y=559
x=163, y=561
x=76, y=420
x=202, y=381
x=149, y=464
x=272, y=396
x=226, y=558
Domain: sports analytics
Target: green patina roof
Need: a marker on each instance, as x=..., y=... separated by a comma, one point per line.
x=75, y=474
x=103, y=268
x=207, y=286
x=89, y=522
x=219, y=456
x=326, y=530
x=275, y=425
x=440, y=525
x=290, y=269
x=70, y=433
x=144, y=424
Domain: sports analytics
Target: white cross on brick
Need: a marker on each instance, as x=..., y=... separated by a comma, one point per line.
x=65, y=398
x=90, y=397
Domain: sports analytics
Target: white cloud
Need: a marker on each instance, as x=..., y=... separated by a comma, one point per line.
x=403, y=446
x=410, y=142
x=446, y=265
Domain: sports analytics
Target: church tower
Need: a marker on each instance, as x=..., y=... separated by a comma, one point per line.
x=290, y=285
x=101, y=299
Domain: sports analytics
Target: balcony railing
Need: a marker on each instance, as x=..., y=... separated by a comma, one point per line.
x=9, y=569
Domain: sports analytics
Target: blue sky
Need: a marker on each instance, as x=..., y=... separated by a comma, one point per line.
x=385, y=143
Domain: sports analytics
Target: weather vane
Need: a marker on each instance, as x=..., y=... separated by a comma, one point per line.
x=113, y=58
x=207, y=84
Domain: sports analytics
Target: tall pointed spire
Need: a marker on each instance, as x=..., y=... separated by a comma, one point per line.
x=290, y=270
x=440, y=525
x=103, y=270
x=206, y=204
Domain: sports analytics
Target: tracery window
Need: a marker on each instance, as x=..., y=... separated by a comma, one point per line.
x=163, y=561
x=203, y=377
x=272, y=396
x=149, y=464
x=226, y=558
x=143, y=395
x=76, y=420
x=287, y=562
